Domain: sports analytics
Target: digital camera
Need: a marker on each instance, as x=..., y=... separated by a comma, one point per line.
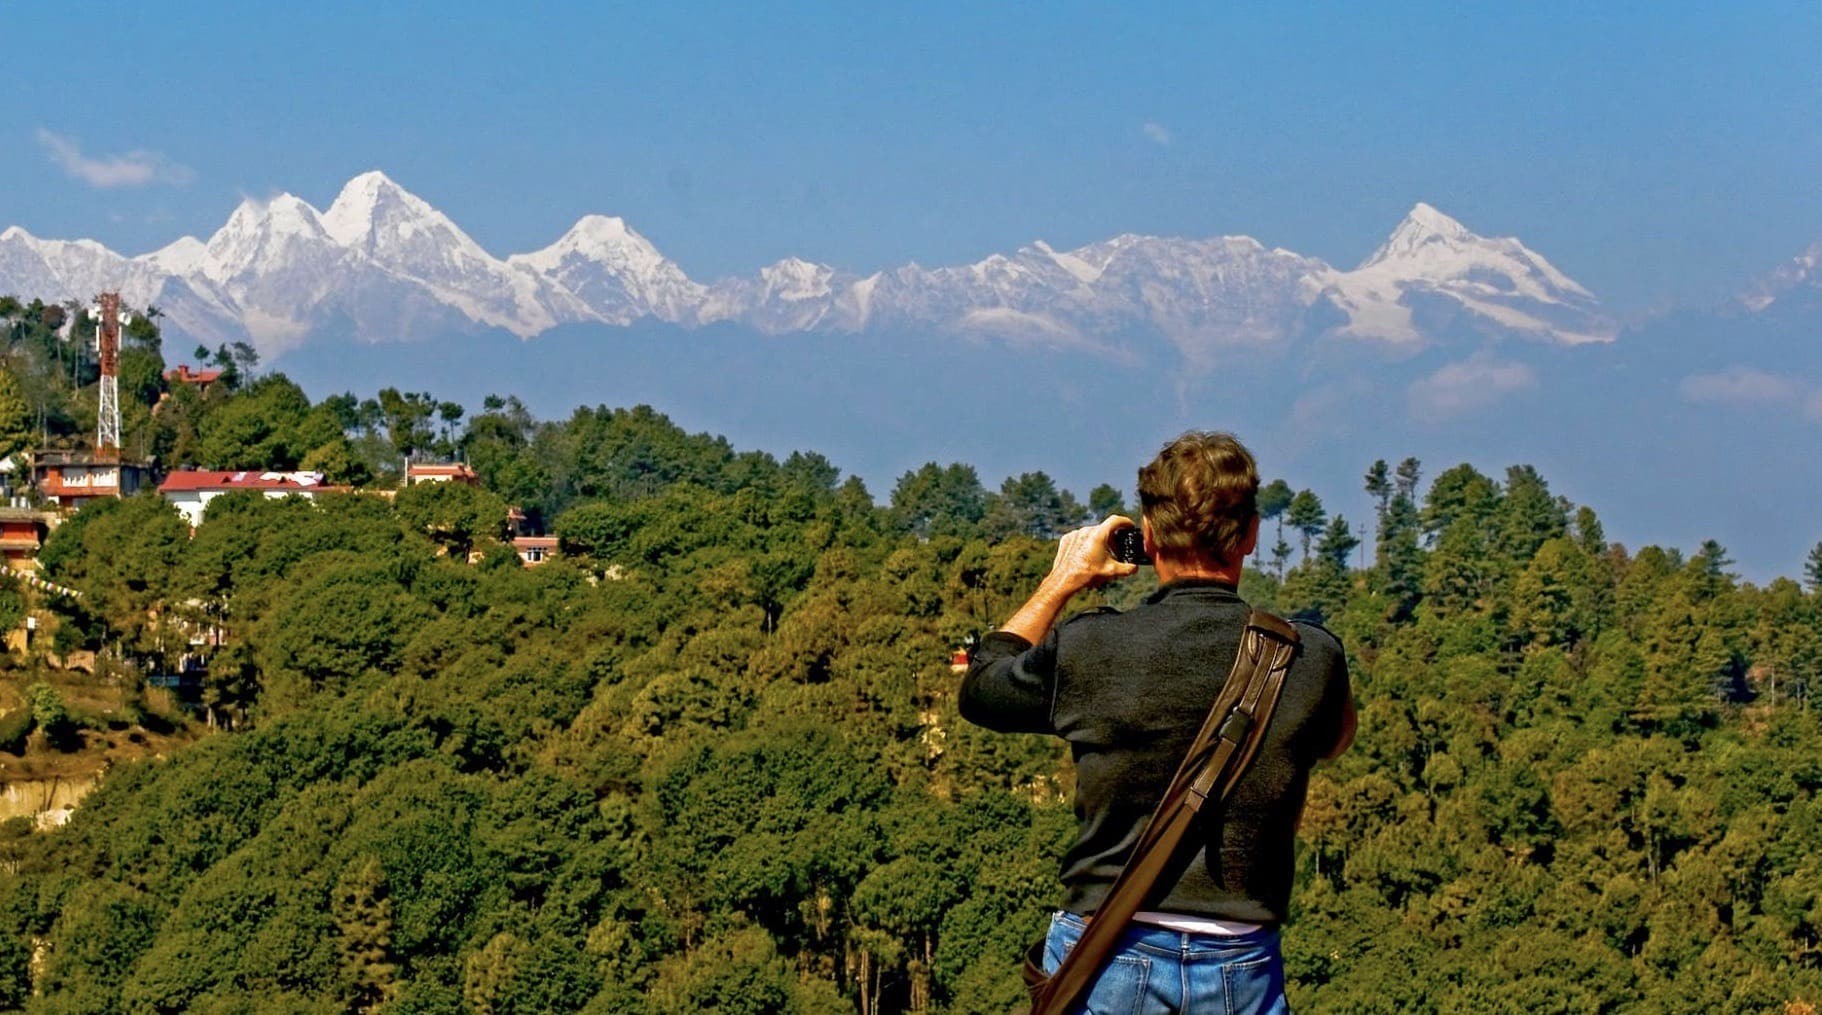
x=1127, y=545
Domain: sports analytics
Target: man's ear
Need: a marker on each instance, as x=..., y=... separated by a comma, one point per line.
x=1151, y=547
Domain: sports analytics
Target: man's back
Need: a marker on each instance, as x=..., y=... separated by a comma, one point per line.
x=1128, y=691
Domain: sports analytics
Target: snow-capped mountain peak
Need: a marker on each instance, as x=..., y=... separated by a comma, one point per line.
x=1423, y=227
x=183, y=256
x=1433, y=274
x=262, y=236
x=286, y=213
x=371, y=202
x=385, y=221
x=615, y=274
x=604, y=231
x=605, y=239
x=796, y=279
x=291, y=213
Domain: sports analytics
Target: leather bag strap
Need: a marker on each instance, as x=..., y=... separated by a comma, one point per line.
x=1219, y=755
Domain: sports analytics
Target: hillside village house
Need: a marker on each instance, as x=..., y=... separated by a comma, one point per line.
x=535, y=550
x=15, y=475
x=71, y=479
x=427, y=472
x=192, y=490
x=198, y=379
x=23, y=531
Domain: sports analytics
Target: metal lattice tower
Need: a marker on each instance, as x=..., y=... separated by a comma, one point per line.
x=107, y=339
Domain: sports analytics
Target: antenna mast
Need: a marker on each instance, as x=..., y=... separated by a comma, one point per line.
x=107, y=339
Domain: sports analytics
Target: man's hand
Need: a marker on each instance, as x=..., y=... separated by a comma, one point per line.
x=1082, y=561
x=1085, y=561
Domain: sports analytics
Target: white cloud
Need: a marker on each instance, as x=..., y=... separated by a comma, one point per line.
x=1020, y=328
x=1741, y=385
x=133, y=169
x=1474, y=383
x=1157, y=132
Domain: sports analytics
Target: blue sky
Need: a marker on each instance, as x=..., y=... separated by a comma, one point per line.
x=1659, y=153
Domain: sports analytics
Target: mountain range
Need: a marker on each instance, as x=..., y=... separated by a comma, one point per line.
x=381, y=264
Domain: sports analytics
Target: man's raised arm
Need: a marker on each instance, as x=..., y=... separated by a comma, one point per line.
x=1083, y=561
x=1011, y=675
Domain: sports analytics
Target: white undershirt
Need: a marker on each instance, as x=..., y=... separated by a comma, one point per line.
x=1196, y=924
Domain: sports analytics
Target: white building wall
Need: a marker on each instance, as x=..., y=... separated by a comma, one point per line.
x=192, y=503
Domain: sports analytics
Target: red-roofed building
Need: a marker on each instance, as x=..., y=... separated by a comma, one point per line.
x=426, y=472
x=182, y=374
x=192, y=489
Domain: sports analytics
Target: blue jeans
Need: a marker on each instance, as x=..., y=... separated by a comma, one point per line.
x=1167, y=971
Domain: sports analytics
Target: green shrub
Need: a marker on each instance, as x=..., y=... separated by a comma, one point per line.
x=50, y=714
x=14, y=726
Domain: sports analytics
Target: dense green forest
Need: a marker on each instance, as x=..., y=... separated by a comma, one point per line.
x=709, y=758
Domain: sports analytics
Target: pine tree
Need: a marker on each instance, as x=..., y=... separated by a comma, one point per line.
x=1338, y=540
x=1812, y=569
x=15, y=416
x=486, y=973
x=1274, y=499
x=1459, y=494
x=363, y=916
x=1410, y=471
x=1684, y=665
x=1589, y=534
x=1323, y=581
x=1458, y=574
x=1379, y=487
x=1104, y=500
x=1545, y=608
x=1528, y=515
x=1712, y=563
x=1400, y=562
x=1306, y=515
x=230, y=373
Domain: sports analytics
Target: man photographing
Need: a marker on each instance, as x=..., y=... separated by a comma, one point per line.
x=1129, y=691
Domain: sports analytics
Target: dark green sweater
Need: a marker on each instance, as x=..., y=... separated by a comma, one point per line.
x=1128, y=692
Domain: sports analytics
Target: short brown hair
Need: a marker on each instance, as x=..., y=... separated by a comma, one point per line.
x=1201, y=494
